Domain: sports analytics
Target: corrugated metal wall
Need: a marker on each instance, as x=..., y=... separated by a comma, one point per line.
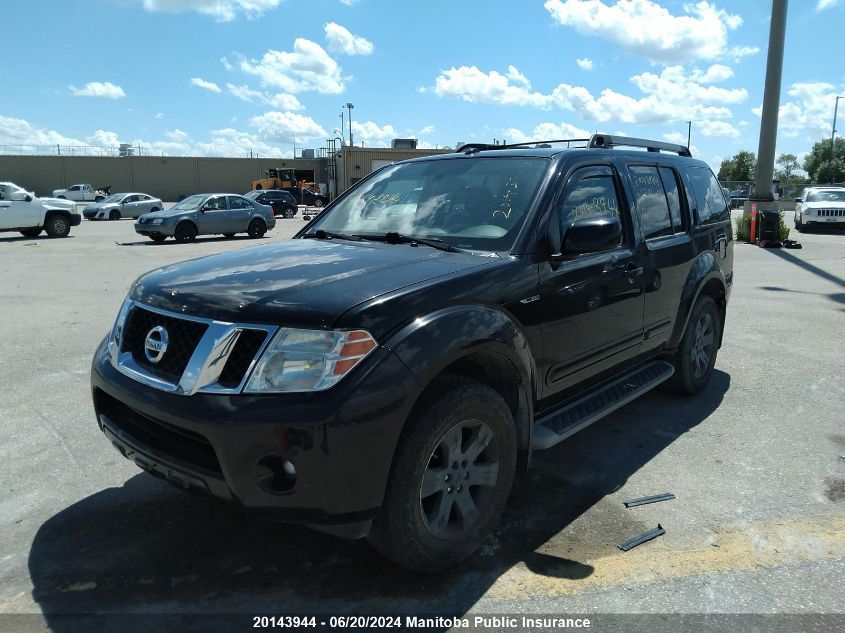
x=354, y=163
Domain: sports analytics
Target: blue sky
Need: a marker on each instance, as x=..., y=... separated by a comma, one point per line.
x=223, y=77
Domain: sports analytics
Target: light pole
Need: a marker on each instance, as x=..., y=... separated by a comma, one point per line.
x=689, y=132
x=341, y=128
x=832, y=134
x=349, y=107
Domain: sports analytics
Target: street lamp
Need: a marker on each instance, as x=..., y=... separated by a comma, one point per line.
x=832, y=134
x=349, y=107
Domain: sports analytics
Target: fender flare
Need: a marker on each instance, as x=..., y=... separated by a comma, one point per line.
x=705, y=270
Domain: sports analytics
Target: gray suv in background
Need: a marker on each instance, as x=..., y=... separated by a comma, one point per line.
x=207, y=214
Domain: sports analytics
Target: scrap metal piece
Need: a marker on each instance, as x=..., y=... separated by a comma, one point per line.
x=666, y=496
x=631, y=543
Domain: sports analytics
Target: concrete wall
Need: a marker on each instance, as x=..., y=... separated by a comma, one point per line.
x=165, y=177
x=353, y=163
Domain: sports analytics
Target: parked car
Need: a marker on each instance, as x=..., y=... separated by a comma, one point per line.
x=82, y=193
x=21, y=210
x=283, y=202
x=122, y=205
x=384, y=372
x=207, y=214
x=819, y=206
x=306, y=196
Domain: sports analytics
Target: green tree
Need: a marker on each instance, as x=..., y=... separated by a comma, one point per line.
x=817, y=163
x=788, y=164
x=740, y=167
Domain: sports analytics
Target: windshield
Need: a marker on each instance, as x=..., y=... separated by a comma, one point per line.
x=191, y=203
x=116, y=197
x=471, y=203
x=826, y=196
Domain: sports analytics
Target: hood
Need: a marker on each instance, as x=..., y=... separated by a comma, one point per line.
x=825, y=205
x=303, y=282
x=167, y=213
x=58, y=203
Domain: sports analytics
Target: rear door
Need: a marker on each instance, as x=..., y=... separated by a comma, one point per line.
x=668, y=252
x=240, y=212
x=592, y=304
x=712, y=230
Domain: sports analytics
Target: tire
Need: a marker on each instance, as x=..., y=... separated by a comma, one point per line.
x=799, y=226
x=256, y=229
x=318, y=203
x=229, y=235
x=158, y=238
x=692, y=369
x=62, y=197
x=114, y=214
x=185, y=232
x=288, y=213
x=33, y=232
x=422, y=524
x=57, y=225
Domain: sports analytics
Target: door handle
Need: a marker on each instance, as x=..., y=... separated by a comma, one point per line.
x=633, y=271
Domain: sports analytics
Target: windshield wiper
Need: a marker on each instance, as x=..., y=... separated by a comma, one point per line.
x=399, y=238
x=320, y=234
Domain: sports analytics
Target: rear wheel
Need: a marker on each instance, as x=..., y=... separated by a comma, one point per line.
x=288, y=213
x=154, y=209
x=114, y=214
x=185, y=232
x=696, y=354
x=452, y=474
x=256, y=228
x=318, y=202
x=57, y=226
x=34, y=232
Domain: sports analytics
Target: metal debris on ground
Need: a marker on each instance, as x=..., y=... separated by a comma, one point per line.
x=666, y=496
x=631, y=543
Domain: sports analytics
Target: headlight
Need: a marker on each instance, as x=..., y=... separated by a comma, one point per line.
x=308, y=360
x=157, y=221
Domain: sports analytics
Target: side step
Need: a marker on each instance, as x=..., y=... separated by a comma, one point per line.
x=583, y=412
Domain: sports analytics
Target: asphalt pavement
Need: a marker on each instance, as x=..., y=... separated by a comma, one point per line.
x=756, y=462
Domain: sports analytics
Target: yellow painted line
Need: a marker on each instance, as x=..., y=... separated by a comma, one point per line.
x=739, y=548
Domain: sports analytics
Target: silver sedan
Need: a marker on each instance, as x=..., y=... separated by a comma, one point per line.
x=122, y=205
x=207, y=214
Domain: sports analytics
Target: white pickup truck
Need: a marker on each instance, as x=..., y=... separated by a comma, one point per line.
x=80, y=193
x=21, y=211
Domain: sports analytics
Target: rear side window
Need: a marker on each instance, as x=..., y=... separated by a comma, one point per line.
x=236, y=202
x=709, y=197
x=650, y=200
x=673, y=197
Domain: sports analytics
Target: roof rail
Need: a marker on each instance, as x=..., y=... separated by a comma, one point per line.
x=606, y=141
x=478, y=147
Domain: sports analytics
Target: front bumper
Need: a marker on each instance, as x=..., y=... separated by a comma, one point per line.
x=75, y=219
x=155, y=229
x=830, y=220
x=341, y=441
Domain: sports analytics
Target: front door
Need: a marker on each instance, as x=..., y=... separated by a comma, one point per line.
x=214, y=217
x=592, y=303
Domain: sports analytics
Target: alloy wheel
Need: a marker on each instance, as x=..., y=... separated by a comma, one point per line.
x=702, y=346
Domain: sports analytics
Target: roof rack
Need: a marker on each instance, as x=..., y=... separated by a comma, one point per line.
x=605, y=141
x=478, y=147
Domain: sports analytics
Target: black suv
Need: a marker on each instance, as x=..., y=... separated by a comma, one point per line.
x=385, y=372
x=282, y=202
x=306, y=196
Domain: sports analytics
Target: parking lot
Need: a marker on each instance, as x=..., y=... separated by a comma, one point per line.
x=757, y=463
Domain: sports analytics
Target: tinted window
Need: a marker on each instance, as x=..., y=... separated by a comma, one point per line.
x=650, y=200
x=590, y=193
x=673, y=197
x=709, y=198
x=215, y=204
x=236, y=202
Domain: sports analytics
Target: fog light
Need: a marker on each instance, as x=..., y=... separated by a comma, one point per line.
x=276, y=474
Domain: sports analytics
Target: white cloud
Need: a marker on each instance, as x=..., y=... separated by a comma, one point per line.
x=716, y=128
x=736, y=53
x=205, y=85
x=159, y=115
x=340, y=40
x=585, y=63
x=545, y=132
x=826, y=4
x=281, y=100
x=246, y=93
x=373, y=133
x=285, y=126
x=285, y=101
x=646, y=28
x=103, y=89
x=428, y=129
x=222, y=10
x=808, y=114
x=307, y=68
x=349, y=3
x=673, y=94
x=177, y=136
x=468, y=83
x=226, y=63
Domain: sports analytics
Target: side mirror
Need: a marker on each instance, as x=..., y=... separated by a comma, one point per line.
x=591, y=235
x=20, y=196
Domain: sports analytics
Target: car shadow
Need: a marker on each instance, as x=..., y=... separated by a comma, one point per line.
x=149, y=547
x=38, y=238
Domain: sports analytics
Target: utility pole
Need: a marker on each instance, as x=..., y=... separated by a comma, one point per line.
x=832, y=134
x=771, y=105
x=689, y=132
x=341, y=128
x=349, y=107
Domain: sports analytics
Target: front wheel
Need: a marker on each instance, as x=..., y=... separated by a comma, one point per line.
x=57, y=226
x=256, y=229
x=696, y=354
x=114, y=215
x=799, y=225
x=452, y=474
x=185, y=232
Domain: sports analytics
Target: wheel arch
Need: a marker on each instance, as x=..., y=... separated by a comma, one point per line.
x=705, y=278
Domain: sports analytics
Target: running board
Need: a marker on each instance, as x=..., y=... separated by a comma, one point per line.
x=583, y=412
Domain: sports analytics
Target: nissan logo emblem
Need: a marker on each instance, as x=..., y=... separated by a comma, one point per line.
x=155, y=345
